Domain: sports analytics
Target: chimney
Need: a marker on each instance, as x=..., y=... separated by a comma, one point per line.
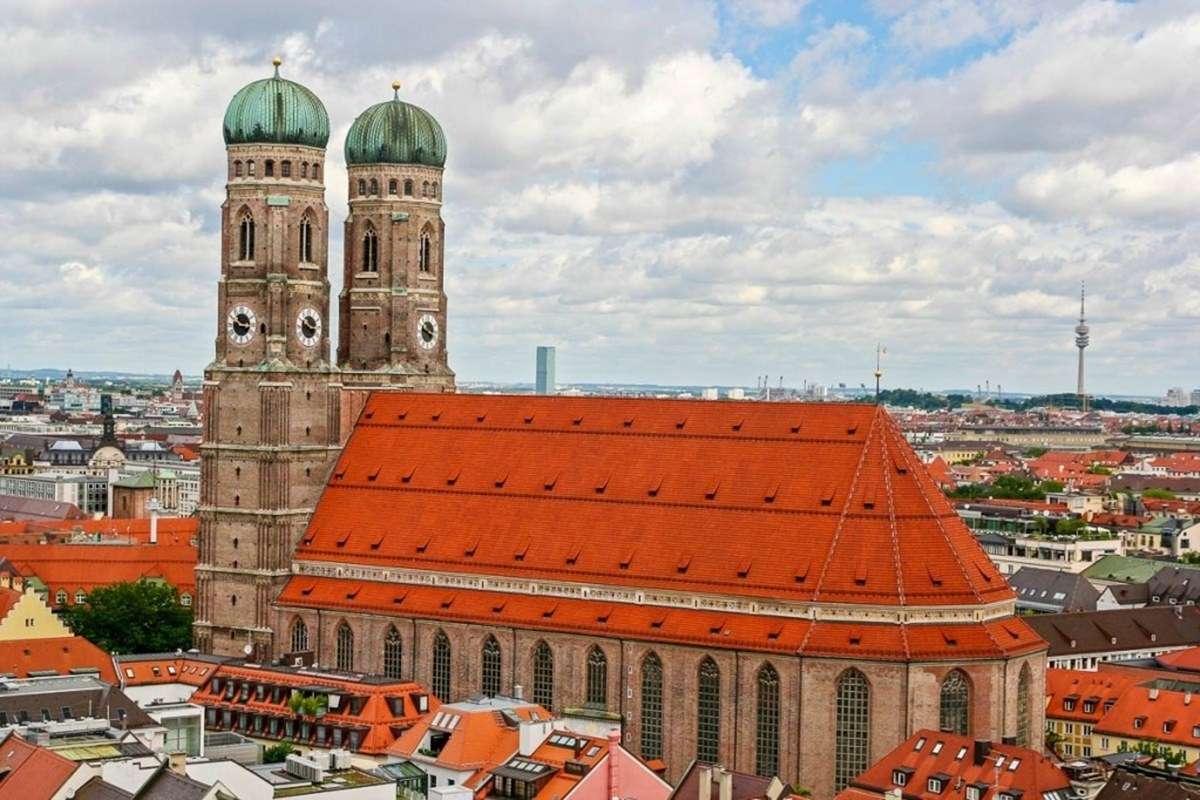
x=153, y=506
x=518, y=692
x=1187, y=698
x=726, y=787
x=982, y=749
x=706, y=778
x=1154, y=693
x=614, y=772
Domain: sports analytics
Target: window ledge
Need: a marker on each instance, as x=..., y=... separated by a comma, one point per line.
x=309, y=265
x=242, y=263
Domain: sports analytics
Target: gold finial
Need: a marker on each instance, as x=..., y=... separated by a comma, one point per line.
x=396, y=89
x=276, y=61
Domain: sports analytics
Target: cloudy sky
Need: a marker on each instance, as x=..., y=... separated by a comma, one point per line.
x=672, y=192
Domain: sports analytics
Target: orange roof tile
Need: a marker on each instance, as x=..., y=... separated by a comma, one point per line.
x=33, y=773
x=624, y=491
x=656, y=623
x=148, y=670
x=75, y=567
x=1155, y=714
x=480, y=738
x=60, y=654
x=1084, y=696
x=954, y=762
x=171, y=530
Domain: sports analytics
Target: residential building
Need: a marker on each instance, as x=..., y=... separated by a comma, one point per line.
x=30, y=772
x=298, y=778
x=1161, y=712
x=1047, y=591
x=359, y=713
x=713, y=782
x=1123, y=569
x=1174, y=585
x=34, y=642
x=570, y=766
x=1012, y=552
x=26, y=508
x=1076, y=701
x=1084, y=639
x=933, y=765
x=1133, y=782
x=146, y=780
x=87, y=492
x=162, y=684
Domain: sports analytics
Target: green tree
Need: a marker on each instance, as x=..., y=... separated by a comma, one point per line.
x=278, y=753
x=1034, y=452
x=141, y=617
x=1159, y=494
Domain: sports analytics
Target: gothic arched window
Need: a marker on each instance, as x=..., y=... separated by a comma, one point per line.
x=392, y=186
x=374, y=186
x=285, y=169
x=955, y=716
x=237, y=169
x=425, y=254
x=344, y=652
x=393, y=653
x=766, y=738
x=246, y=239
x=362, y=187
x=306, y=248
x=440, y=682
x=370, y=252
x=852, y=730
x=268, y=168
x=652, y=707
x=597, y=678
x=316, y=172
x=434, y=190
x=490, y=678
x=299, y=636
x=708, y=712
x=1023, y=725
x=250, y=168
x=543, y=676
x=303, y=169
x=408, y=188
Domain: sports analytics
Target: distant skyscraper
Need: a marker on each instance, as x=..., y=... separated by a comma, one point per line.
x=545, y=371
x=1081, y=341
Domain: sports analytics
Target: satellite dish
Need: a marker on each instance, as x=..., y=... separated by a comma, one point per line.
x=248, y=649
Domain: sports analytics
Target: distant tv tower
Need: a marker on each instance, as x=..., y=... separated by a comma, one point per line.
x=880, y=351
x=1081, y=341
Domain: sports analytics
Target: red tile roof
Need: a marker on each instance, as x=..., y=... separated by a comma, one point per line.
x=147, y=670
x=1083, y=696
x=75, y=567
x=171, y=530
x=33, y=773
x=1183, y=660
x=1155, y=714
x=823, y=502
x=60, y=654
x=1020, y=769
x=387, y=707
x=656, y=623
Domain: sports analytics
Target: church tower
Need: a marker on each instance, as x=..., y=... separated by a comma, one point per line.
x=392, y=323
x=271, y=395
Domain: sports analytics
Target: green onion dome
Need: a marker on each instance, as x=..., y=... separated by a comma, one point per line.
x=396, y=132
x=276, y=111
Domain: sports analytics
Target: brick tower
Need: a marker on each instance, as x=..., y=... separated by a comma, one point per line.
x=392, y=323
x=271, y=396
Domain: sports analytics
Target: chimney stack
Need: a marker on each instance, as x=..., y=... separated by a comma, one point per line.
x=726, y=787
x=706, y=778
x=982, y=749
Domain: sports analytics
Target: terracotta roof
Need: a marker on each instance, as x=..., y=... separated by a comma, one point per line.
x=655, y=623
x=1083, y=696
x=171, y=530
x=60, y=654
x=481, y=735
x=74, y=567
x=153, y=669
x=1182, y=660
x=33, y=773
x=1152, y=712
x=1020, y=769
x=377, y=708
x=12, y=507
x=634, y=492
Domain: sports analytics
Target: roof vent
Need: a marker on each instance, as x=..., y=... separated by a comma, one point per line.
x=628, y=423
x=551, y=482
x=452, y=478
x=744, y=567
x=679, y=423
x=738, y=423
x=771, y=494
x=685, y=561
x=406, y=476
x=711, y=492
x=480, y=417
x=573, y=555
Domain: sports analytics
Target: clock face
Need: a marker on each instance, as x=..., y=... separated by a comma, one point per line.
x=427, y=331
x=308, y=327
x=240, y=323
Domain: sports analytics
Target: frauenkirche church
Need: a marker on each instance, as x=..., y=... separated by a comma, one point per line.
x=776, y=587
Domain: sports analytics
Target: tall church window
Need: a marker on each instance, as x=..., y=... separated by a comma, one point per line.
x=426, y=248
x=344, y=651
x=316, y=172
x=424, y=188
x=433, y=192
x=490, y=683
x=408, y=188
x=652, y=707
x=285, y=169
x=237, y=169
x=246, y=239
x=852, y=730
x=393, y=653
x=362, y=187
x=370, y=252
x=268, y=168
x=708, y=712
x=1023, y=725
x=597, y=678
x=543, y=676
x=303, y=169
x=299, y=636
x=766, y=738
x=374, y=186
x=306, y=248
x=440, y=679
x=392, y=186
x=955, y=704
